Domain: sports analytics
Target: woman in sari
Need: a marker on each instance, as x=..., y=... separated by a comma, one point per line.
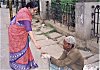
x=19, y=31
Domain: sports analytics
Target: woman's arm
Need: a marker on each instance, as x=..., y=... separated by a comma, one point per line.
x=33, y=40
x=28, y=28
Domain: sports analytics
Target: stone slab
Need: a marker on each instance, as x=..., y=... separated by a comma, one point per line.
x=46, y=42
x=54, y=35
x=37, y=32
x=34, y=23
x=93, y=59
x=96, y=64
x=36, y=28
x=61, y=38
x=54, y=50
x=85, y=53
x=40, y=37
x=46, y=29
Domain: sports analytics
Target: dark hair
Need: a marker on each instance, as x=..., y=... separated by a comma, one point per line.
x=32, y=4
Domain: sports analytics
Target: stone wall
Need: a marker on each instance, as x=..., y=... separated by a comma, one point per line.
x=43, y=8
x=83, y=19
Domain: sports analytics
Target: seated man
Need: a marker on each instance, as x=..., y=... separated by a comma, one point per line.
x=71, y=56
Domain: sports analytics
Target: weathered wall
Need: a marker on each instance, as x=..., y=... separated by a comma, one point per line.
x=83, y=19
x=43, y=8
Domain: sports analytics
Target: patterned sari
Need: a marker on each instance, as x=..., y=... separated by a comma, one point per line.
x=20, y=54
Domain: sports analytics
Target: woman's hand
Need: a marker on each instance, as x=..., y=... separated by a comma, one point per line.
x=34, y=40
x=45, y=56
x=38, y=46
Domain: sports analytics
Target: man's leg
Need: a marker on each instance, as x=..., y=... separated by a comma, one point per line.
x=65, y=68
x=62, y=68
x=53, y=67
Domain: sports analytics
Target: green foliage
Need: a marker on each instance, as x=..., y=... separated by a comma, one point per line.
x=66, y=1
x=98, y=0
x=53, y=0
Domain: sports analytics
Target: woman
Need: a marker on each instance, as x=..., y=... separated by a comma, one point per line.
x=19, y=31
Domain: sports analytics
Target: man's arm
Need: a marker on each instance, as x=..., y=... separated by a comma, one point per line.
x=62, y=56
x=70, y=59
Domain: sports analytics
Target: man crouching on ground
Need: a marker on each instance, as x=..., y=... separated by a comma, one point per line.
x=71, y=56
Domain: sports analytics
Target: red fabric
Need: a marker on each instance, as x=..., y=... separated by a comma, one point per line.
x=24, y=14
x=18, y=37
x=26, y=57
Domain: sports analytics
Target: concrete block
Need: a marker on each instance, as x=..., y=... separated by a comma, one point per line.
x=46, y=29
x=60, y=38
x=47, y=42
x=54, y=35
x=93, y=59
x=36, y=25
x=96, y=64
x=37, y=32
x=34, y=29
x=85, y=54
x=40, y=37
x=54, y=50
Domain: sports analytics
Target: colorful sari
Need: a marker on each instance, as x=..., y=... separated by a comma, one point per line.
x=20, y=54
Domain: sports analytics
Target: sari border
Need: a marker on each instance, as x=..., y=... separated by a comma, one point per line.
x=30, y=65
x=15, y=56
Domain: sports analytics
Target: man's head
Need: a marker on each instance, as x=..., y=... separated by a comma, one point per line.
x=69, y=43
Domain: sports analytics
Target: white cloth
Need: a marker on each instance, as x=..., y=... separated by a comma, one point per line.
x=45, y=56
x=90, y=67
x=70, y=39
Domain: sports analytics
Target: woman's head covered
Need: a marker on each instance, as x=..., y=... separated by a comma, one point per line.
x=32, y=7
x=32, y=4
